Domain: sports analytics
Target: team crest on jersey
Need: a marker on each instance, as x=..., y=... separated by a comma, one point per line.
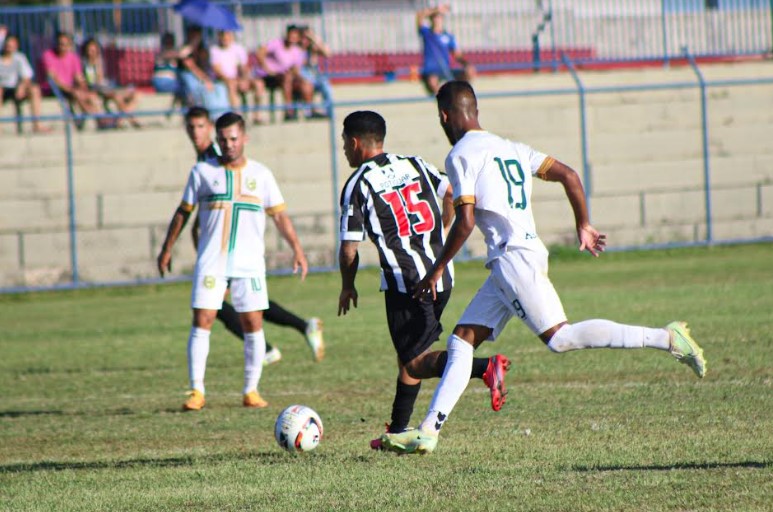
x=251, y=184
x=209, y=282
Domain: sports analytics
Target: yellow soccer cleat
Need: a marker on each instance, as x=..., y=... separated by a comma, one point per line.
x=254, y=400
x=195, y=401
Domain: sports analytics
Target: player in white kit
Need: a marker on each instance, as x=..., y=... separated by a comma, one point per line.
x=234, y=195
x=492, y=182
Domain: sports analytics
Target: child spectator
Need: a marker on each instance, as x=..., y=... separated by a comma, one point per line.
x=16, y=80
x=94, y=73
x=315, y=48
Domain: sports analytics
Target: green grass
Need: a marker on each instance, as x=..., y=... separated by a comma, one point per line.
x=92, y=382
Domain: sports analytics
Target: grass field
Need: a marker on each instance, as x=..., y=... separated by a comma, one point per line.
x=92, y=382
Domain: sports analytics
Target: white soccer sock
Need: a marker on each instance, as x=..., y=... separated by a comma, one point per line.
x=198, y=350
x=254, y=352
x=607, y=334
x=452, y=384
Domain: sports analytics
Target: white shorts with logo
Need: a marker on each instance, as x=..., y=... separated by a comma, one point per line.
x=247, y=293
x=517, y=286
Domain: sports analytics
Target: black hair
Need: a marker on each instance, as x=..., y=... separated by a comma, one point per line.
x=62, y=33
x=86, y=44
x=9, y=36
x=365, y=124
x=229, y=119
x=446, y=96
x=196, y=112
x=167, y=38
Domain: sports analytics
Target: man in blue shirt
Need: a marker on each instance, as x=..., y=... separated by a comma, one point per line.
x=438, y=46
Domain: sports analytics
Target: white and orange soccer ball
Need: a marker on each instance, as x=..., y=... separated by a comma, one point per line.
x=298, y=429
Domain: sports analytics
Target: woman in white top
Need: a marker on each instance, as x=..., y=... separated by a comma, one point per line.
x=16, y=80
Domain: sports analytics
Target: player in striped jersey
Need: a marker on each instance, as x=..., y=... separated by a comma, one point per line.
x=236, y=195
x=198, y=126
x=492, y=180
x=394, y=200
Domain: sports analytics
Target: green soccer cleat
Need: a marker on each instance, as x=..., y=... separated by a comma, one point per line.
x=410, y=441
x=685, y=349
x=272, y=356
x=314, y=339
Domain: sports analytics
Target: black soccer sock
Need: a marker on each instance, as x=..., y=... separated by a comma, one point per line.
x=402, y=407
x=276, y=314
x=479, y=365
x=230, y=318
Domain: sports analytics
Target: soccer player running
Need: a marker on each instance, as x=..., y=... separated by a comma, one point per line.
x=235, y=194
x=394, y=199
x=198, y=126
x=492, y=183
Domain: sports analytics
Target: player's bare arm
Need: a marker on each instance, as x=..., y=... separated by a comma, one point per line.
x=431, y=11
x=176, y=226
x=448, y=207
x=195, y=233
x=287, y=230
x=590, y=240
x=459, y=233
x=348, y=262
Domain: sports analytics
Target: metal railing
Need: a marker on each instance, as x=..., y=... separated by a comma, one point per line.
x=496, y=34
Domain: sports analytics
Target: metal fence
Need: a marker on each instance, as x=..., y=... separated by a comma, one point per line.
x=19, y=247
x=370, y=38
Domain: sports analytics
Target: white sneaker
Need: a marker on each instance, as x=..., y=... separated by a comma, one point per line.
x=272, y=356
x=314, y=338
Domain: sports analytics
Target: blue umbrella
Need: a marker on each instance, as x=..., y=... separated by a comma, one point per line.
x=207, y=14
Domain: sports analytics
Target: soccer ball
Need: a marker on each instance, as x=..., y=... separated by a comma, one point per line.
x=298, y=429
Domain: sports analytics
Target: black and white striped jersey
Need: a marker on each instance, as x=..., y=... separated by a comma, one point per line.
x=396, y=200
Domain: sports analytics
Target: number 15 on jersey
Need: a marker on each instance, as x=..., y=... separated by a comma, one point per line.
x=411, y=213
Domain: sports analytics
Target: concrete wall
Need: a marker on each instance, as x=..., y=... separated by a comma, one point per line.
x=644, y=151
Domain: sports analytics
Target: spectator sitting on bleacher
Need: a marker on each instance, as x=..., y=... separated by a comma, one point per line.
x=63, y=67
x=437, y=47
x=279, y=64
x=165, y=77
x=229, y=64
x=315, y=48
x=16, y=80
x=94, y=73
x=199, y=85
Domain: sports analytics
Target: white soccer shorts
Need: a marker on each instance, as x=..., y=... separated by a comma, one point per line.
x=518, y=286
x=247, y=293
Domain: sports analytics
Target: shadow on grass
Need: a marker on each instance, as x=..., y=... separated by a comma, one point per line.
x=19, y=414
x=265, y=458
x=123, y=411
x=750, y=464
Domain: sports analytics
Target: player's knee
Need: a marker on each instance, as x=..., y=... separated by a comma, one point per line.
x=204, y=319
x=412, y=368
x=472, y=334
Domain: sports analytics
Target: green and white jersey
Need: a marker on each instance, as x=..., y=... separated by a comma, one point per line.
x=495, y=175
x=233, y=204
